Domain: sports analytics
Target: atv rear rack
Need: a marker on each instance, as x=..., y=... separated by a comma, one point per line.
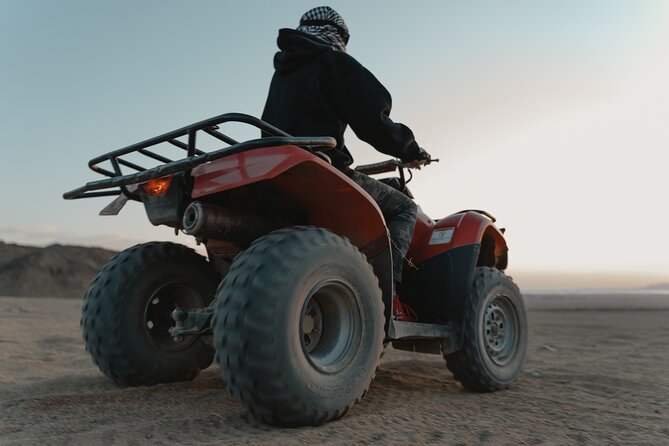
x=194, y=156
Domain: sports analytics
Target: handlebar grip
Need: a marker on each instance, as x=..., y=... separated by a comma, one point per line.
x=382, y=167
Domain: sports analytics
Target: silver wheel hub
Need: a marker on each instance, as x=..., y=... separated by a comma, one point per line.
x=331, y=324
x=500, y=330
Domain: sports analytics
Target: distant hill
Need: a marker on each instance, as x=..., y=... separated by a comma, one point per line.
x=658, y=286
x=54, y=271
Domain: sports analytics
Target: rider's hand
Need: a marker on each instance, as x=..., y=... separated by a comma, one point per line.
x=423, y=158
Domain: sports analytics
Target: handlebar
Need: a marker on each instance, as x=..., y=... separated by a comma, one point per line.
x=387, y=166
x=376, y=168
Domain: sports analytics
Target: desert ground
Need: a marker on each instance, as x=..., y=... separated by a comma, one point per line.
x=597, y=372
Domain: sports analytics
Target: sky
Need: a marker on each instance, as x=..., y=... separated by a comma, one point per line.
x=553, y=116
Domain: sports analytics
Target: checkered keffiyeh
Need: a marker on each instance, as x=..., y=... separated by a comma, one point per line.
x=326, y=24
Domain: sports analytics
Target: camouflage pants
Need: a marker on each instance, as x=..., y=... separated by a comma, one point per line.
x=399, y=212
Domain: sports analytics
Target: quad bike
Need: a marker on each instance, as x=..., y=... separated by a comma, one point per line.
x=295, y=301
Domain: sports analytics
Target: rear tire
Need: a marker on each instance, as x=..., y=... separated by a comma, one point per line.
x=127, y=314
x=495, y=334
x=298, y=327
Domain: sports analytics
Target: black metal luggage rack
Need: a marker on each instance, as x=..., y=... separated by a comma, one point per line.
x=194, y=156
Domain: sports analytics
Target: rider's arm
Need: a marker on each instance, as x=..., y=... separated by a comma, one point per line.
x=360, y=100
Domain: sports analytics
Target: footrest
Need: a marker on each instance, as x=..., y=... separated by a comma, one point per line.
x=402, y=330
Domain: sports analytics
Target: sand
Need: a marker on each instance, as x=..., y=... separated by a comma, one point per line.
x=598, y=375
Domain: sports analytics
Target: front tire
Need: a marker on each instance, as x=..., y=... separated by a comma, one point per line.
x=298, y=327
x=495, y=334
x=127, y=314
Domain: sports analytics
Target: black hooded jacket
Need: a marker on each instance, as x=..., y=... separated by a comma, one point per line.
x=318, y=91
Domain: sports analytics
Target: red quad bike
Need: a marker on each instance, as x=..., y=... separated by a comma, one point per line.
x=295, y=299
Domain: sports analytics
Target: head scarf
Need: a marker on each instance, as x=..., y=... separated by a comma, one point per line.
x=326, y=24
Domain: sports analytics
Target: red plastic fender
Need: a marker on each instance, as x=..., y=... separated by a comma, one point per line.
x=330, y=199
x=432, y=238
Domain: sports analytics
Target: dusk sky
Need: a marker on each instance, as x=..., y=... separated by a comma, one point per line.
x=553, y=116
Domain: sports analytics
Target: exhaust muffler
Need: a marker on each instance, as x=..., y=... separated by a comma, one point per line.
x=204, y=220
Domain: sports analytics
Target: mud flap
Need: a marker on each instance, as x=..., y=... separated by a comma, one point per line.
x=115, y=206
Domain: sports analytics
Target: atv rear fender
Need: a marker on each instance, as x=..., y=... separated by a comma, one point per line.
x=329, y=198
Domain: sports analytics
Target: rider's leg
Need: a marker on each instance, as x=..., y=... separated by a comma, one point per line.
x=399, y=212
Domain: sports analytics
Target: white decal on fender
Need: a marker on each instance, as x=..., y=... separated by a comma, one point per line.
x=441, y=236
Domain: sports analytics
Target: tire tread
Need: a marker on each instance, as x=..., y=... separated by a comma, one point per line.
x=102, y=314
x=247, y=316
x=466, y=364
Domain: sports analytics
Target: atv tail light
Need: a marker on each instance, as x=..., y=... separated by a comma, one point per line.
x=157, y=187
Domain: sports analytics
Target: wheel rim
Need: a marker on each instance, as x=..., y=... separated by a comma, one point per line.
x=500, y=330
x=158, y=314
x=330, y=325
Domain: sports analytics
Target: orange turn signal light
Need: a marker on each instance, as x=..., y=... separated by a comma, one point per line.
x=157, y=187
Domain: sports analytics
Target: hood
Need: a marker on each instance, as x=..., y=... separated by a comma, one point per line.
x=297, y=48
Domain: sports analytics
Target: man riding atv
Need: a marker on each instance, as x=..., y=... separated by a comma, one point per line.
x=318, y=89
x=294, y=300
